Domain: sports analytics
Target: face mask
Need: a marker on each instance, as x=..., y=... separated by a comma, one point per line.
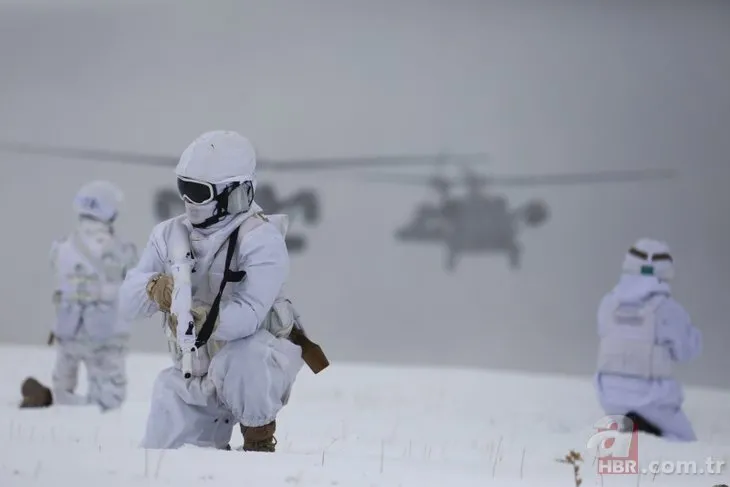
x=197, y=214
x=91, y=227
x=96, y=235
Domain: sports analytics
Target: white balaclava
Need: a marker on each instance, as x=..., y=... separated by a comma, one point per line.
x=216, y=177
x=97, y=205
x=648, y=257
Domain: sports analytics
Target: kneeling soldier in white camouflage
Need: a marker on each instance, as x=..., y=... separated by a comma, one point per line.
x=219, y=270
x=89, y=266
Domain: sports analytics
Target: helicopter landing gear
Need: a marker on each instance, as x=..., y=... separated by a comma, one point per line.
x=307, y=203
x=514, y=254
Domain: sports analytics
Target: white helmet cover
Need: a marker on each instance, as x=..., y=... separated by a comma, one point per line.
x=650, y=257
x=217, y=176
x=99, y=200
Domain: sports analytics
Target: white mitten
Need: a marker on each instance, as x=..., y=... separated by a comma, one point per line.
x=280, y=319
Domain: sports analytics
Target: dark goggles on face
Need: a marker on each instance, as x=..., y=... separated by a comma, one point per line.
x=196, y=192
x=654, y=258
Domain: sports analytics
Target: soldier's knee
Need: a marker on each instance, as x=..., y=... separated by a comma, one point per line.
x=254, y=346
x=264, y=356
x=242, y=363
x=254, y=354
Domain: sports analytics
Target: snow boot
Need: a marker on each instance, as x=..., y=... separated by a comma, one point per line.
x=35, y=394
x=259, y=438
x=640, y=423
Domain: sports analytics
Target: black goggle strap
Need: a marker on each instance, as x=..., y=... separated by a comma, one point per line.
x=221, y=208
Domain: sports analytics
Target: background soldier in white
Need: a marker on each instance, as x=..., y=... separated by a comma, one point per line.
x=89, y=266
x=644, y=331
x=245, y=372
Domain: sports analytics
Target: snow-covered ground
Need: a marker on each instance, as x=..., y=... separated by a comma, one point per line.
x=351, y=426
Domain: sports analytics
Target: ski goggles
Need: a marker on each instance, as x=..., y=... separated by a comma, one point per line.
x=196, y=192
x=654, y=258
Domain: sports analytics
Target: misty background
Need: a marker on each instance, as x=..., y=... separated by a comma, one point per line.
x=541, y=86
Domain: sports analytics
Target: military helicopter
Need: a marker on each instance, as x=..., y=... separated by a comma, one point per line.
x=480, y=222
x=303, y=204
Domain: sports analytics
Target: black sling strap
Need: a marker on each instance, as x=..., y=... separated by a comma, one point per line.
x=228, y=276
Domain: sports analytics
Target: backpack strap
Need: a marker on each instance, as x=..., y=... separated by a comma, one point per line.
x=229, y=275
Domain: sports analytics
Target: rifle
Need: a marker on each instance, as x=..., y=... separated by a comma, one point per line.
x=182, y=295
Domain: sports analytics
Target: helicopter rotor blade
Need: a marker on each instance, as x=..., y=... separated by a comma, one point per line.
x=290, y=165
x=557, y=179
x=436, y=181
x=568, y=179
x=89, y=154
x=367, y=162
x=407, y=179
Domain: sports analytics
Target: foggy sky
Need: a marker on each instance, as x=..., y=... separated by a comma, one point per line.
x=540, y=85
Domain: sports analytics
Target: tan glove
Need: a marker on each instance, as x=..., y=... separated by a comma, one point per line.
x=159, y=290
x=200, y=313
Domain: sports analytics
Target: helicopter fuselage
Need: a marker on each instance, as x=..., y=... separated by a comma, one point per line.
x=470, y=224
x=475, y=224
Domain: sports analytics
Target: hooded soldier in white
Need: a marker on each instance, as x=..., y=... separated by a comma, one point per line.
x=245, y=371
x=643, y=331
x=89, y=266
